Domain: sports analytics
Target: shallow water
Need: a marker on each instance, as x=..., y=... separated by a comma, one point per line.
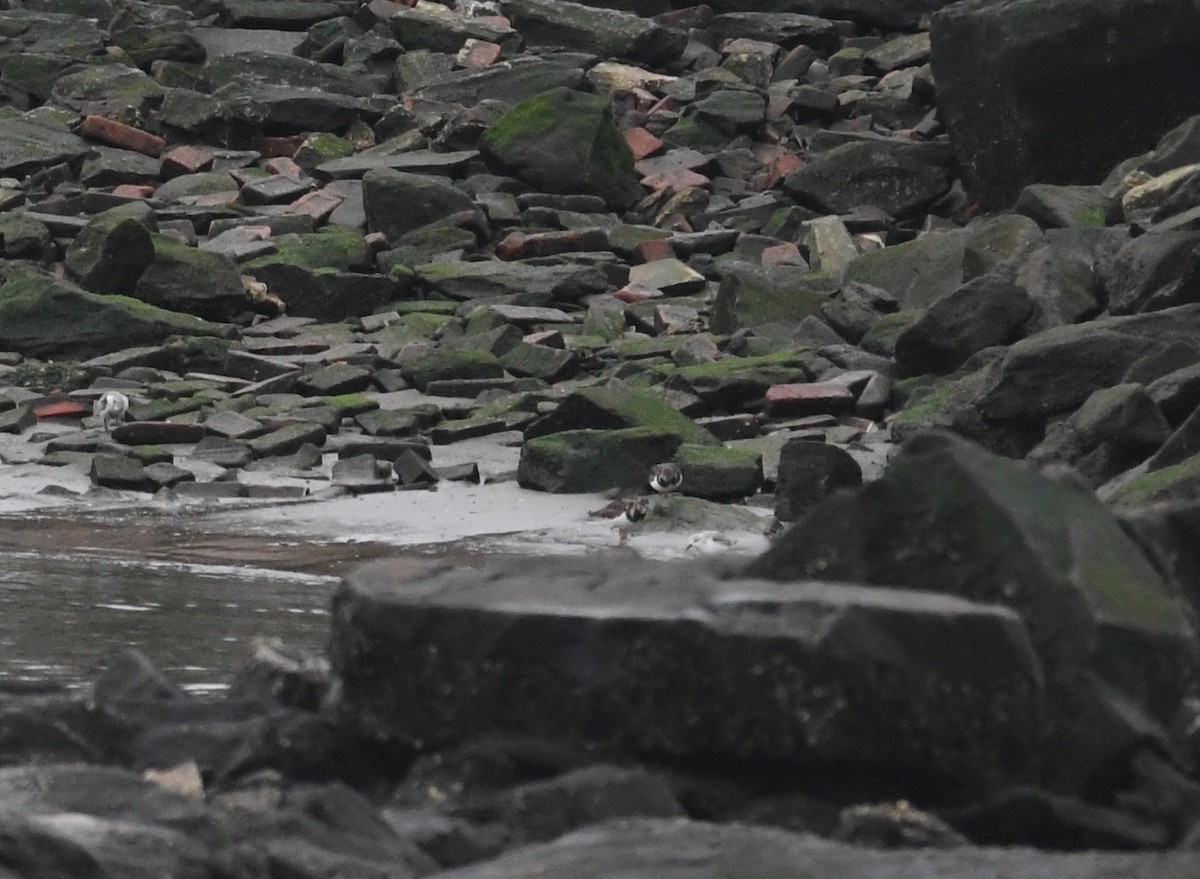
x=62, y=615
x=75, y=590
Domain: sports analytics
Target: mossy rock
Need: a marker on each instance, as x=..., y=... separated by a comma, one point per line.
x=948, y=516
x=191, y=280
x=752, y=295
x=733, y=383
x=450, y=363
x=46, y=377
x=110, y=253
x=565, y=141
x=333, y=247
x=610, y=409
x=719, y=473
x=42, y=316
x=1178, y=482
x=593, y=460
x=881, y=337
x=918, y=272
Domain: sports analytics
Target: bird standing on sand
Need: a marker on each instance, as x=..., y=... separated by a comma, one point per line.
x=110, y=405
x=623, y=513
x=666, y=478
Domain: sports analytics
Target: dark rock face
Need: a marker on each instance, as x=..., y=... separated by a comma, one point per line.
x=562, y=651
x=1025, y=133
x=565, y=141
x=1086, y=591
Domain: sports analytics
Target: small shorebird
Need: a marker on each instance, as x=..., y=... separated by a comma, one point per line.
x=666, y=478
x=624, y=513
x=110, y=404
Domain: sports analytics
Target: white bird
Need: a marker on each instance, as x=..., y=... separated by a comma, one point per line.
x=110, y=405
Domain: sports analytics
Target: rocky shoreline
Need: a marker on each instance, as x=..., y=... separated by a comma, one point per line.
x=410, y=258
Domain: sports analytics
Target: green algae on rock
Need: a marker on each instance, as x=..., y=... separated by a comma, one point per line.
x=42, y=316
x=565, y=141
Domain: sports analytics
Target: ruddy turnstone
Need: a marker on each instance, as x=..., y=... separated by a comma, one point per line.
x=666, y=478
x=623, y=512
x=110, y=404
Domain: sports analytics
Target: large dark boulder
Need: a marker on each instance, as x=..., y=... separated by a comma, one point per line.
x=1011, y=75
x=948, y=516
x=565, y=141
x=674, y=849
x=42, y=316
x=1056, y=370
x=671, y=660
x=606, y=32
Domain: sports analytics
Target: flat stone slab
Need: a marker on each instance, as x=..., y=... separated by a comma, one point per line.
x=668, y=659
x=669, y=848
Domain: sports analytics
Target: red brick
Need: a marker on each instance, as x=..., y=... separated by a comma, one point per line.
x=133, y=190
x=121, y=135
x=783, y=254
x=642, y=143
x=637, y=293
x=808, y=398
x=523, y=245
x=272, y=147
x=185, y=160
x=319, y=205
x=652, y=249
x=777, y=164
x=477, y=54
x=675, y=179
x=285, y=166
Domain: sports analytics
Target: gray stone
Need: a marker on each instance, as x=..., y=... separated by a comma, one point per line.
x=233, y=425
x=182, y=278
x=537, y=285
x=113, y=250
x=868, y=173
x=1115, y=429
x=398, y=202
x=28, y=143
x=337, y=378
x=616, y=409
x=119, y=472
x=565, y=141
x=447, y=363
x=42, y=316
x=983, y=312
x=413, y=470
x=287, y=439
x=540, y=361
x=719, y=473
x=917, y=273
x=1012, y=109
x=606, y=32
x=384, y=157
x=787, y=27
x=146, y=433
x=223, y=451
x=1055, y=371
x=1152, y=271
x=360, y=475
x=1053, y=206
x=575, y=461
x=685, y=849
x=808, y=473
x=949, y=516
x=17, y=419
x=683, y=664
